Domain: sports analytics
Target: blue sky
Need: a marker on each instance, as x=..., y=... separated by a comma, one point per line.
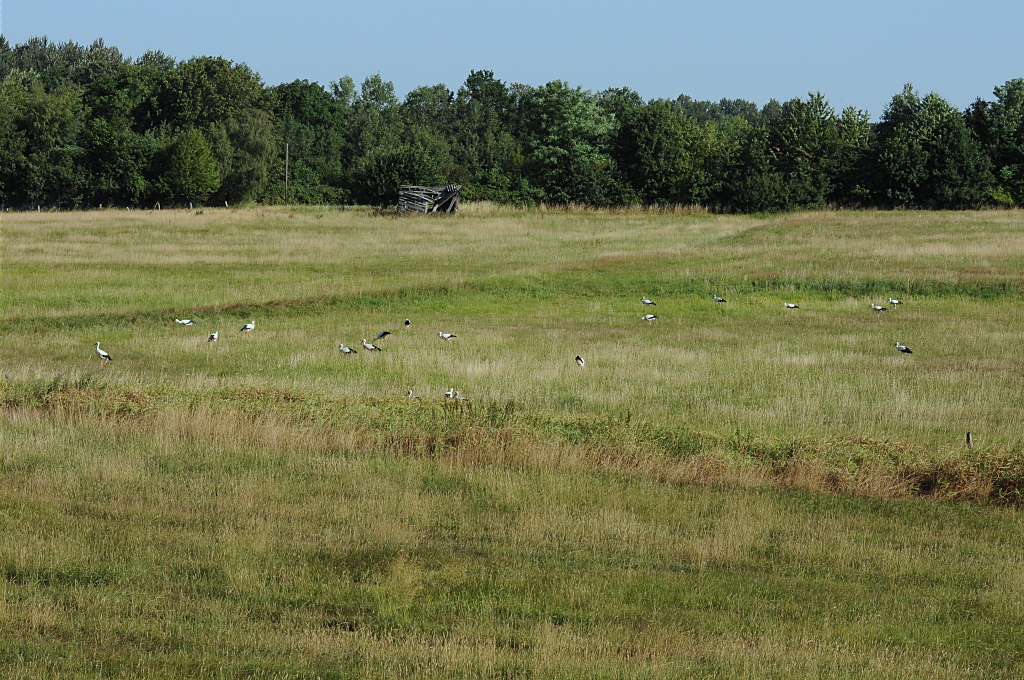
x=856, y=54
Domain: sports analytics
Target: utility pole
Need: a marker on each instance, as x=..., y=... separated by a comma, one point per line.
x=286, y=173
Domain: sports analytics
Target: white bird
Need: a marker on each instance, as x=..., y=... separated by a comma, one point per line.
x=650, y=318
x=370, y=348
x=382, y=335
x=720, y=300
x=458, y=397
x=894, y=302
x=185, y=322
x=446, y=336
x=213, y=336
x=104, y=357
x=903, y=348
x=346, y=350
x=580, y=361
x=247, y=328
x=648, y=302
x=790, y=305
x=410, y=395
x=879, y=308
x=450, y=393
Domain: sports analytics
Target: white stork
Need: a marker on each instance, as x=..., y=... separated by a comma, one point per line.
x=879, y=308
x=185, y=322
x=650, y=318
x=346, y=350
x=213, y=336
x=247, y=328
x=894, y=302
x=459, y=397
x=580, y=361
x=104, y=357
x=370, y=348
x=446, y=336
x=649, y=303
x=720, y=300
x=408, y=323
x=382, y=335
x=450, y=393
x=790, y=305
x=410, y=395
x=903, y=348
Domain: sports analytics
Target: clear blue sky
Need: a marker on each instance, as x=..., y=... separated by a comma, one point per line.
x=856, y=53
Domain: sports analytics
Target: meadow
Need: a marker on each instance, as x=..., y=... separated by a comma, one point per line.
x=733, y=490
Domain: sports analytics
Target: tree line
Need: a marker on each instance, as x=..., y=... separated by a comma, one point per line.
x=85, y=126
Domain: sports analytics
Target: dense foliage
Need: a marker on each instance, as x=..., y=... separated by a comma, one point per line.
x=86, y=126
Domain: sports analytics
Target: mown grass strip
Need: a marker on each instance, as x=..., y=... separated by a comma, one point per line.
x=579, y=283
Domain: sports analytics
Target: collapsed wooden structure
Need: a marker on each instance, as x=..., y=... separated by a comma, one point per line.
x=429, y=199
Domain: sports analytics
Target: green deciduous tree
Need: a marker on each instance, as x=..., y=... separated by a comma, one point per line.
x=1000, y=127
x=388, y=150
x=43, y=143
x=315, y=126
x=566, y=134
x=246, y=148
x=406, y=155
x=12, y=138
x=204, y=91
x=815, y=152
x=487, y=155
x=927, y=157
x=191, y=169
x=653, y=152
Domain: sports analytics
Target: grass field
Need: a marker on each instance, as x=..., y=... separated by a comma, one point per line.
x=732, y=491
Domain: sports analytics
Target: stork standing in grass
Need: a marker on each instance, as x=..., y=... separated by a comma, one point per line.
x=903, y=348
x=450, y=393
x=410, y=395
x=650, y=318
x=104, y=357
x=720, y=300
x=346, y=350
x=446, y=336
x=408, y=323
x=382, y=335
x=790, y=305
x=879, y=309
x=213, y=336
x=580, y=361
x=247, y=328
x=185, y=322
x=894, y=302
x=649, y=303
x=370, y=348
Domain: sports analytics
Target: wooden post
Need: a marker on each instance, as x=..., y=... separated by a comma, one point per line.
x=970, y=441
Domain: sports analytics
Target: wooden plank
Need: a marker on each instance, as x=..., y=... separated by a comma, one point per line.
x=414, y=198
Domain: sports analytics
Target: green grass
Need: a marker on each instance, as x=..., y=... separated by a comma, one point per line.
x=242, y=554
x=528, y=291
x=734, y=491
